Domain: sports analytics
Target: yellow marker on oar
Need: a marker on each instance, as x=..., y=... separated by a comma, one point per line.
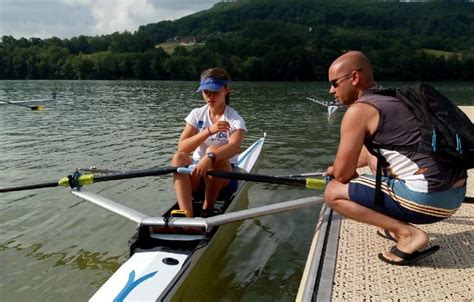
x=85, y=179
x=315, y=184
x=37, y=108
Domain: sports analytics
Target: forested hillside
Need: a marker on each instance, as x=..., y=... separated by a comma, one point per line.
x=264, y=40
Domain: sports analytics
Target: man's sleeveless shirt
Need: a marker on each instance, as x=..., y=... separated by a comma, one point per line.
x=398, y=126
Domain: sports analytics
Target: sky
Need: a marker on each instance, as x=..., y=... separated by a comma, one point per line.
x=71, y=18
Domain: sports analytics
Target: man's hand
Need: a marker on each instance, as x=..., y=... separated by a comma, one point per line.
x=329, y=171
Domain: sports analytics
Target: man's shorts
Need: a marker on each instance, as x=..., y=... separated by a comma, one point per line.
x=403, y=204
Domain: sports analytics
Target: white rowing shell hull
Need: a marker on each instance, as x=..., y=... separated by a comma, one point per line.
x=155, y=274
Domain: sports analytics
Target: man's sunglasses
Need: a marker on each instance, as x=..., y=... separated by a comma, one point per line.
x=335, y=82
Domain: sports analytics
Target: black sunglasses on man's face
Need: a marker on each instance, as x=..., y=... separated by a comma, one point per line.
x=335, y=82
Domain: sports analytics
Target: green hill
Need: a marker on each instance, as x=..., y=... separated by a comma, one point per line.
x=265, y=40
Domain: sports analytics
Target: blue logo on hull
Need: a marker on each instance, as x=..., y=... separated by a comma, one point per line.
x=131, y=284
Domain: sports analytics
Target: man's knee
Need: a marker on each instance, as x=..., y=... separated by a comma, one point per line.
x=329, y=194
x=335, y=191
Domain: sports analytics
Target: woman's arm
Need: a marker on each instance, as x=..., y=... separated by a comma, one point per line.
x=230, y=149
x=190, y=140
x=223, y=152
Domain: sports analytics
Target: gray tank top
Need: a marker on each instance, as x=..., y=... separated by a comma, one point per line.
x=398, y=126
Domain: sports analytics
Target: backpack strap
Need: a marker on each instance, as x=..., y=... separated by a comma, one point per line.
x=378, y=181
x=374, y=149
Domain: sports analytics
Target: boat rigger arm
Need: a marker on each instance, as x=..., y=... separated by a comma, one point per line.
x=182, y=222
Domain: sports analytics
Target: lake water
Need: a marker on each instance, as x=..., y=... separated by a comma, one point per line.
x=56, y=247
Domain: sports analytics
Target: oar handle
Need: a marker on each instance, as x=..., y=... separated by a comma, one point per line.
x=185, y=170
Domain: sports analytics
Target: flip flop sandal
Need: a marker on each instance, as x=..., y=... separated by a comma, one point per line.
x=408, y=258
x=386, y=234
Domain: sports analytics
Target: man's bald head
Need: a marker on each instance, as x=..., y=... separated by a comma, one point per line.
x=355, y=60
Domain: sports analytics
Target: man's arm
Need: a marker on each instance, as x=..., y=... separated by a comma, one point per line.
x=359, y=121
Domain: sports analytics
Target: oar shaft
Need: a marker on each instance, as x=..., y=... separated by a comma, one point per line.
x=258, y=178
x=303, y=175
x=90, y=178
x=136, y=174
x=30, y=187
x=309, y=183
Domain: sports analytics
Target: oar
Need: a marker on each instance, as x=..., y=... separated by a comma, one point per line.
x=36, y=108
x=90, y=178
x=318, y=101
x=323, y=102
x=309, y=183
x=303, y=175
x=291, y=180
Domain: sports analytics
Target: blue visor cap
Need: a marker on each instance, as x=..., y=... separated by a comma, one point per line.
x=212, y=84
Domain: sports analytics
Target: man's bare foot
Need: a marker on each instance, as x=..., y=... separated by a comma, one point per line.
x=387, y=235
x=410, y=240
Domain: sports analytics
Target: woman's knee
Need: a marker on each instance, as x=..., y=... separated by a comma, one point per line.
x=180, y=159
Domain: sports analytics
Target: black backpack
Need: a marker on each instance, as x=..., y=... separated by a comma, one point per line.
x=447, y=134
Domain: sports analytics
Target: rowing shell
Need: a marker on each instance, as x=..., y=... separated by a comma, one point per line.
x=161, y=261
x=53, y=97
x=331, y=106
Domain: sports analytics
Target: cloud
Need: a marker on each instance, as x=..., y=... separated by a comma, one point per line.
x=120, y=15
x=77, y=2
x=68, y=18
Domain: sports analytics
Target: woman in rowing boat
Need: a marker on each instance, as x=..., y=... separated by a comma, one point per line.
x=214, y=133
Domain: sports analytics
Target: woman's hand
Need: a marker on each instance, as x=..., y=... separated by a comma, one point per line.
x=220, y=126
x=202, y=167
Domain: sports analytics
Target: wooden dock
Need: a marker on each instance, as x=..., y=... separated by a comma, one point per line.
x=343, y=265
